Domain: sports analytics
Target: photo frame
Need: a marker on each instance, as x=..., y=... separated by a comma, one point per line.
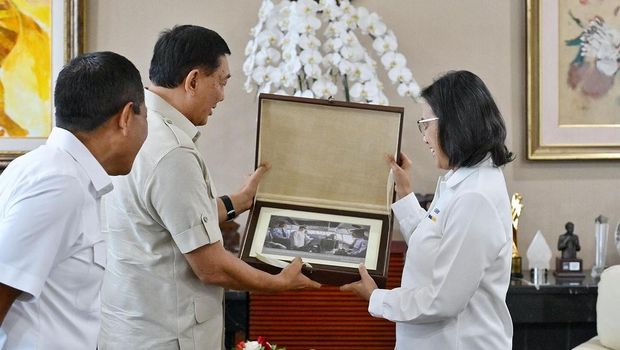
x=66, y=40
x=335, y=242
x=573, y=105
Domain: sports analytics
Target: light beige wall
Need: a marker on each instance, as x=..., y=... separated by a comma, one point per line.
x=484, y=36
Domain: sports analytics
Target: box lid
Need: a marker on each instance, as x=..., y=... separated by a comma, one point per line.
x=326, y=153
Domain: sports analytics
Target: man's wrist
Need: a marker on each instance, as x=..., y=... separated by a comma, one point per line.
x=229, y=208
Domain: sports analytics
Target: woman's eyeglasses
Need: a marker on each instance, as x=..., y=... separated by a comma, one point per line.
x=423, y=124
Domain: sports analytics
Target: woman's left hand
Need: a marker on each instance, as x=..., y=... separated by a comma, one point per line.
x=401, y=173
x=362, y=288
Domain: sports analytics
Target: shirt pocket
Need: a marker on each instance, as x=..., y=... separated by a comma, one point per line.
x=209, y=313
x=100, y=254
x=87, y=296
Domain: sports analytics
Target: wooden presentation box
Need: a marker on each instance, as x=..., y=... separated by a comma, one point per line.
x=327, y=195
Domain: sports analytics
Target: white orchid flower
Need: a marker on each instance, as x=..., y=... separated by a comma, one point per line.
x=281, y=92
x=249, y=48
x=324, y=88
x=252, y=345
x=349, y=38
x=307, y=7
x=361, y=72
x=332, y=44
x=347, y=8
x=309, y=42
x=335, y=29
x=261, y=75
x=312, y=70
x=248, y=65
x=345, y=67
x=400, y=74
x=310, y=57
x=372, y=24
x=289, y=52
x=256, y=29
x=330, y=9
x=393, y=59
x=386, y=43
x=290, y=38
x=284, y=79
x=382, y=99
x=364, y=91
x=292, y=66
x=265, y=89
x=305, y=93
x=267, y=56
x=332, y=59
x=309, y=24
x=353, y=53
x=265, y=9
x=269, y=37
x=411, y=89
x=276, y=77
x=248, y=86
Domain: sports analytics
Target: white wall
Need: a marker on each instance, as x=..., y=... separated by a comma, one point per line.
x=484, y=36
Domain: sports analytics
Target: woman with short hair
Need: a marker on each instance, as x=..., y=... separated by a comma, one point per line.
x=457, y=270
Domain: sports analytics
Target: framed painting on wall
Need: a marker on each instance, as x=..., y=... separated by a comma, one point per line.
x=38, y=38
x=573, y=96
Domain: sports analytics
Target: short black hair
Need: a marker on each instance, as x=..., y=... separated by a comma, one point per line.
x=470, y=124
x=93, y=87
x=183, y=48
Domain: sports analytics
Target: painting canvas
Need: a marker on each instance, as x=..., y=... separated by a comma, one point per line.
x=37, y=38
x=573, y=92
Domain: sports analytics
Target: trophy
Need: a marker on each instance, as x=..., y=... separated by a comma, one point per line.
x=600, y=235
x=568, y=265
x=516, y=203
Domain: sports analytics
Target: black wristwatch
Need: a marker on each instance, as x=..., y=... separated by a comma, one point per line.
x=230, y=210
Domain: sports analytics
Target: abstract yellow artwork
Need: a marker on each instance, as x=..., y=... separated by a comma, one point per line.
x=37, y=37
x=25, y=68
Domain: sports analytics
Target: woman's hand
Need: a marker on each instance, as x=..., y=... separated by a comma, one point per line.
x=362, y=288
x=401, y=174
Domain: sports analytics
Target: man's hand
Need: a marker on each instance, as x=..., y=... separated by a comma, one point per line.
x=243, y=199
x=292, y=278
x=401, y=174
x=362, y=288
x=248, y=190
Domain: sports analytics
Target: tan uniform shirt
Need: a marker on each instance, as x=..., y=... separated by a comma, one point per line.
x=151, y=298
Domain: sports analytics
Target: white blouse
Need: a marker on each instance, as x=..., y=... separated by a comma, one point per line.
x=457, y=268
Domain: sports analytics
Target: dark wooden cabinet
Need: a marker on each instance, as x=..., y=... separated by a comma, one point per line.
x=558, y=314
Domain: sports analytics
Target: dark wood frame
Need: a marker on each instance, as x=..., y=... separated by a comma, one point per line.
x=334, y=275
x=329, y=274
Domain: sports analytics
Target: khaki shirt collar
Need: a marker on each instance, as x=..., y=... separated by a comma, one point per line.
x=170, y=114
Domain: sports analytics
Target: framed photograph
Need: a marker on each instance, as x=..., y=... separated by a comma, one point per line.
x=333, y=242
x=573, y=98
x=42, y=37
x=327, y=195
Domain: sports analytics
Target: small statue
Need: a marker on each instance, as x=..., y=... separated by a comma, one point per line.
x=568, y=242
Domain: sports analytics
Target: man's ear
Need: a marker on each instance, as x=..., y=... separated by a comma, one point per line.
x=191, y=81
x=124, y=118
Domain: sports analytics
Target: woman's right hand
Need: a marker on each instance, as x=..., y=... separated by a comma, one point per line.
x=401, y=174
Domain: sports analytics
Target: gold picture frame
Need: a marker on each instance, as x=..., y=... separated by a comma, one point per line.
x=66, y=33
x=567, y=119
